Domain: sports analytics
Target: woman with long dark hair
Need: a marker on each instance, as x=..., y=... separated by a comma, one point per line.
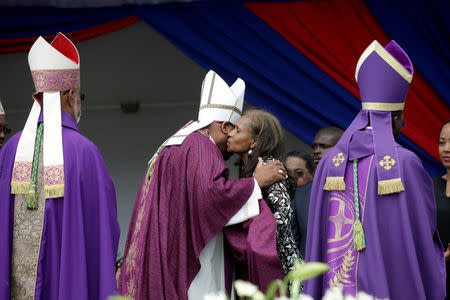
x=442, y=195
x=259, y=134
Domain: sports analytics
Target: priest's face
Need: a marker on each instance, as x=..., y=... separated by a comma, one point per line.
x=3, y=130
x=444, y=146
x=240, y=139
x=77, y=105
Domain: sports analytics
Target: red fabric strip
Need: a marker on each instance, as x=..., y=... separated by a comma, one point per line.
x=333, y=34
x=25, y=43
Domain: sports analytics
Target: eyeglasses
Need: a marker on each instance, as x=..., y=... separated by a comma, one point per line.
x=300, y=173
x=5, y=130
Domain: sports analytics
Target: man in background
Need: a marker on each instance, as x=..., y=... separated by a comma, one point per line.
x=325, y=139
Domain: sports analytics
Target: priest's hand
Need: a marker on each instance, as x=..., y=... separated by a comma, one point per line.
x=269, y=173
x=447, y=253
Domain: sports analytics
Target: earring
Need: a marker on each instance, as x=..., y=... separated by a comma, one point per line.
x=250, y=151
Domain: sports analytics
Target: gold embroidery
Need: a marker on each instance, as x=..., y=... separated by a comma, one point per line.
x=211, y=88
x=56, y=80
x=341, y=276
x=133, y=250
x=387, y=162
x=340, y=220
x=222, y=106
x=382, y=106
x=27, y=235
x=387, y=57
x=338, y=159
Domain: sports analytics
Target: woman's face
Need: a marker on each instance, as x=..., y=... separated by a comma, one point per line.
x=444, y=146
x=240, y=138
x=297, y=166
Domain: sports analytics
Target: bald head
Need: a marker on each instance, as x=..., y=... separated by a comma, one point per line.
x=325, y=139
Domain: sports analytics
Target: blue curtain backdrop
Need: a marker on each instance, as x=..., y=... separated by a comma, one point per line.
x=227, y=37
x=424, y=28
x=233, y=41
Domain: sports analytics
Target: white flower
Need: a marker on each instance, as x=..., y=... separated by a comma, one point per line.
x=245, y=288
x=363, y=296
x=350, y=297
x=305, y=297
x=334, y=293
x=281, y=298
x=218, y=296
x=258, y=296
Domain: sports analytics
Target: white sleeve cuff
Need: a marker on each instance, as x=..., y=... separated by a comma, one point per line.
x=250, y=208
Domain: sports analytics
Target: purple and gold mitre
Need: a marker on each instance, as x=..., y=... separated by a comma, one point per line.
x=54, y=66
x=383, y=75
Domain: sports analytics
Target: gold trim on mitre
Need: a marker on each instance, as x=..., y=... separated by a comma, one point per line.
x=56, y=80
x=383, y=106
x=387, y=57
x=222, y=106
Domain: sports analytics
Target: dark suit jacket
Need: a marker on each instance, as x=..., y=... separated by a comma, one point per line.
x=300, y=206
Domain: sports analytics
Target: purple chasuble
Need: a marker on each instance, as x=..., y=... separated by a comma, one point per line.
x=80, y=233
x=253, y=244
x=403, y=258
x=187, y=202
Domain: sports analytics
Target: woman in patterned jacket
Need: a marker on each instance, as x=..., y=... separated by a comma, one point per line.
x=259, y=134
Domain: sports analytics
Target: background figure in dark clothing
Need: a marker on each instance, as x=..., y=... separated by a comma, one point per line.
x=442, y=195
x=300, y=166
x=325, y=139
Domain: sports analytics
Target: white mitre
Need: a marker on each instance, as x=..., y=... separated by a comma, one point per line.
x=218, y=103
x=2, y=111
x=55, y=67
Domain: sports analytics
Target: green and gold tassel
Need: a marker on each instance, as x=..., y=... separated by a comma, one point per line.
x=32, y=196
x=359, y=238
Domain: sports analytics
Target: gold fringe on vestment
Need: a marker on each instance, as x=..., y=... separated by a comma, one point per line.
x=334, y=184
x=54, y=191
x=20, y=188
x=390, y=186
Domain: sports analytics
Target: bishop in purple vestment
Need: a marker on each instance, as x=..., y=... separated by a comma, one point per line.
x=58, y=217
x=372, y=214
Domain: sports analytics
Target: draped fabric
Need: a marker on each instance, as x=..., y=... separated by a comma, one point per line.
x=298, y=60
x=85, y=3
x=21, y=27
x=297, y=57
x=333, y=34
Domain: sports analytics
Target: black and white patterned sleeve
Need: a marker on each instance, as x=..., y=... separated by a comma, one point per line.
x=279, y=202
